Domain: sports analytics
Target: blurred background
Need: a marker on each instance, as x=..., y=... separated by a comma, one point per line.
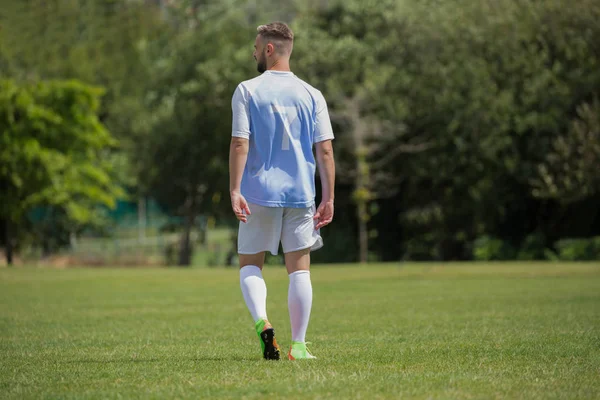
x=465, y=130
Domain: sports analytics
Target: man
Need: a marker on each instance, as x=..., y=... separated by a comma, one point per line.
x=277, y=120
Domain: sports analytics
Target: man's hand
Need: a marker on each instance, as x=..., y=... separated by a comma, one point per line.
x=324, y=214
x=240, y=206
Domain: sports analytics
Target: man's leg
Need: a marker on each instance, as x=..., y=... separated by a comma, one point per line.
x=299, y=238
x=300, y=294
x=253, y=285
x=299, y=301
x=254, y=290
x=259, y=234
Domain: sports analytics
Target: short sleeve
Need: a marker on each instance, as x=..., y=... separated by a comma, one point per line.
x=323, y=129
x=240, y=113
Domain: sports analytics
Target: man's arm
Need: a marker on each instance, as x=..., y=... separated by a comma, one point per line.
x=238, y=151
x=238, y=154
x=326, y=165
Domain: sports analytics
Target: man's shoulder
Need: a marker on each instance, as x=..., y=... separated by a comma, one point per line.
x=313, y=90
x=249, y=84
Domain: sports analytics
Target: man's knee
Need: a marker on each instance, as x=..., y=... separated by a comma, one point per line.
x=252, y=259
x=297, y=260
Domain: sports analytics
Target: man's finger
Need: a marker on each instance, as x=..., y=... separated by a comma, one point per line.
x=325, y=221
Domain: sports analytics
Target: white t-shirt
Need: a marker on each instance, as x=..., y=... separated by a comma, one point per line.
x=283, y=117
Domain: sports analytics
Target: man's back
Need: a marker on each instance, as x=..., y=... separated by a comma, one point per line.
x=283, y=117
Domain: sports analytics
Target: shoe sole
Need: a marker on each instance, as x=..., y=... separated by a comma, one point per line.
x=292, y=358
x=271, y=349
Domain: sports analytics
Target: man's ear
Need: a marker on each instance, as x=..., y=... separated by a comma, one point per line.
x=270, y=48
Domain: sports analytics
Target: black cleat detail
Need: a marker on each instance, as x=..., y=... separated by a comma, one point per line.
x=271, y=348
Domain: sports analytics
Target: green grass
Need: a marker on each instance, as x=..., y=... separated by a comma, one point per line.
x=484, y=331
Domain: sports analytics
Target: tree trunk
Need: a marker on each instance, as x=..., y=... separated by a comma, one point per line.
x=8, y=238
x=142, y=218
x=361, y=128
x=46, y=251
x=362, y=192
x=185, y=248
x=363, y=238
x=362, y=197
x=141, y=227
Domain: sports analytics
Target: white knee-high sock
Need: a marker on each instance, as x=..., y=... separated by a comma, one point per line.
x=299, y=303
x=254, y=290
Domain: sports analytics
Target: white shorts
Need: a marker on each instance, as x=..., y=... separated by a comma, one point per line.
x=267, y=226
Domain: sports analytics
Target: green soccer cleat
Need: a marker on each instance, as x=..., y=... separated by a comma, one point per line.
x=298, y=351
x=269, y=345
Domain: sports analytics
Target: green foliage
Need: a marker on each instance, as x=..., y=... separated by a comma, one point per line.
x=53, y=150
x=488, y=93
x=419, y=250
x=469, y=119
x=97, y=42
x=183, y=154
x=93, y=41
x=570, y=170
x=476, y=106
x=183, y=137
x=585, y=249
x=339, y=245
x=488, y=248
x=533, y=248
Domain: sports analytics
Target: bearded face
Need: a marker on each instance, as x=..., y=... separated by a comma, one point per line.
x=261, y=61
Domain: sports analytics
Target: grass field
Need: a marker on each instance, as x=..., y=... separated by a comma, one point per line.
x=471, y=331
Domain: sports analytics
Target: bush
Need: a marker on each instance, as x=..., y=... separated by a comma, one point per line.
x=578, y=249
x=533, y=248
x=418, y=249
x=488, y=248
x=595, y=243
x=340, y=245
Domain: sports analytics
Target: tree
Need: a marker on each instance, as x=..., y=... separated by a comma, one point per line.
x=183, y=158
x=53, y=151
x=98, y=42
x=495, y=90
x=337, y=45
x=480, y=91
x=570, y=170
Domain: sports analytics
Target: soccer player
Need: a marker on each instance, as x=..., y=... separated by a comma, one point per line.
x=278, y=119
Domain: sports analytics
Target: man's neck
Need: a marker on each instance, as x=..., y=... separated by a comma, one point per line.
x=280, y=65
